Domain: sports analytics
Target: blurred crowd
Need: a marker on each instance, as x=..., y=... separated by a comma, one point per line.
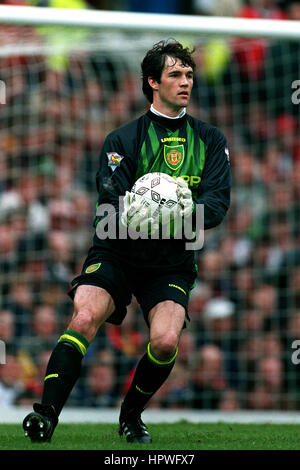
x=236, y=352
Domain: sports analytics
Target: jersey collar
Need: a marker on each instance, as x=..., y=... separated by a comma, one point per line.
x=169, y=123
x=154, y=111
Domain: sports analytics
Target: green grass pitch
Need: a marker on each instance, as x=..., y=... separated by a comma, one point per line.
x=166, y=436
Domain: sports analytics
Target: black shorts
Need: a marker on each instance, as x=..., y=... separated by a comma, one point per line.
x=121, y=281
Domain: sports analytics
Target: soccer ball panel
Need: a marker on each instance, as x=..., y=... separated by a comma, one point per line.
x=158, y=191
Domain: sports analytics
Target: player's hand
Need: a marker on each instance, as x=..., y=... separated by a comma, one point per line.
x=136, y=216
x=185, y=199
x=133, y=211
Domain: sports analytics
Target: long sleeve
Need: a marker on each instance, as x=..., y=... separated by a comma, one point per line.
x=116, y=173
x=214, y=189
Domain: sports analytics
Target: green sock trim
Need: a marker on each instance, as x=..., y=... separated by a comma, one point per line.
x=161, y=362
x=79, y=341
x=50, y=376
x=142, y=391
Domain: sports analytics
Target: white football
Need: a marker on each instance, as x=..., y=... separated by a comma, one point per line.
x=158, y=192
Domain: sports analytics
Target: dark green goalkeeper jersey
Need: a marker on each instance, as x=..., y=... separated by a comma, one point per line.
x=184, y=147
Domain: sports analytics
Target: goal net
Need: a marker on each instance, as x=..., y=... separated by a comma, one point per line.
x=62, y=89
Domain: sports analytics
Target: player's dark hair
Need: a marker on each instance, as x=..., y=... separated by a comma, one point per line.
x=154, y=62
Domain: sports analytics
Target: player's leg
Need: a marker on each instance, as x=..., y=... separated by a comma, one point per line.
x=92, y=306
x=166, y=321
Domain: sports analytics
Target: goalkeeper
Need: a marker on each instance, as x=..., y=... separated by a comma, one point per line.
x=159, y=272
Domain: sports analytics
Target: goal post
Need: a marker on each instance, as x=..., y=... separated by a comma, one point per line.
x=149, y=22
x=68, y=78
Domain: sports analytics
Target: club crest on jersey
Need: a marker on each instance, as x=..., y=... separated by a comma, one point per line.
x=114, y=160
x=174, y=156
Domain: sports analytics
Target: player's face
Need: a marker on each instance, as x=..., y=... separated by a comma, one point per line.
x=174, y=90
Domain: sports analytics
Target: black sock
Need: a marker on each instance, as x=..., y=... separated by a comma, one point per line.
x=63, y=369
x=149, y=376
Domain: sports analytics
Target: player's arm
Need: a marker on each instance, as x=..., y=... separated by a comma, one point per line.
x=214, y=189
x=115, y=178
x=115, y=175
